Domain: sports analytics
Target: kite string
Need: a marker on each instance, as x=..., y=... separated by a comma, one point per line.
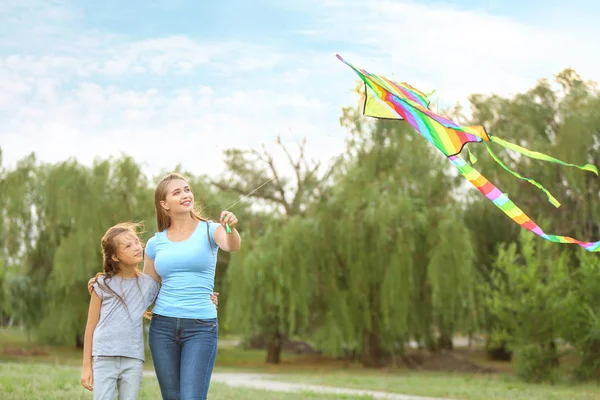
x=263, y=184
x=244, y=197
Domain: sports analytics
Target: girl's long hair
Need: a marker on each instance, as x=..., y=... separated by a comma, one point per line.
x=163, y=221
x=111, y=267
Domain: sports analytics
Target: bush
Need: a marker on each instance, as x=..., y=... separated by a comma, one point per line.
x=582, y=323
x=529, y=301
x=536, y=364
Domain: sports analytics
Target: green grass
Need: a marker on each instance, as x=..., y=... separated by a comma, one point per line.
x=17, y=347
x=60, y=363
x=55, y=382
x=448, y=385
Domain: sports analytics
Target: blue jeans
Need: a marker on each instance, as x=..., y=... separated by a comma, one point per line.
x=114, y=374
x=183, y=352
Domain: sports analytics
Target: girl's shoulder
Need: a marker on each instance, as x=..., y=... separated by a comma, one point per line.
x=101, y=286
x=100, y=278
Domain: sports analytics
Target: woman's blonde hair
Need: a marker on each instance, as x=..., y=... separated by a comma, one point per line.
x=163, y=221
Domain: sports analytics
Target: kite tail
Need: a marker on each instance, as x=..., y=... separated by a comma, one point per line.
x=537, y=156
x=540, y=156
x=509, y=208
x=551, y=198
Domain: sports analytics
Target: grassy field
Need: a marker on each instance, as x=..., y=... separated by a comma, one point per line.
x=51, y=382
x=448, y=385
x=44, y=372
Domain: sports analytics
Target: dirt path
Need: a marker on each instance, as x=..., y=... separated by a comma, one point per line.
x=270, y=382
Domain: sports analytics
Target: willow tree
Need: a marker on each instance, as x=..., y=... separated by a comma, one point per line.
x=57, y=214
x=21, y=232
x=254, y=173
x=6, y=311
x=400, y=260
x=274, y=286
x=84, y=202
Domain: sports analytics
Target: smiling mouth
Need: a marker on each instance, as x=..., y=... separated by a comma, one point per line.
x=138, y=254
x=187, y=203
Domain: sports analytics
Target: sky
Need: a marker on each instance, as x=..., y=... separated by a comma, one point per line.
x=177, y=82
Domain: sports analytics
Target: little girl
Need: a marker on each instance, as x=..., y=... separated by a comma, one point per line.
x=113, y=350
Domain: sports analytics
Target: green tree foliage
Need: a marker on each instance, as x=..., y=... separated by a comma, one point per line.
x=51, y=226
x=529, y=301
x=386, y=246
x=401, y=260
x=71, y=206
x=562, y=119
x=254, y=174
x=542, y=297
x=21, y=233
x=274, y=286
x=564, y=123
x=581, y=323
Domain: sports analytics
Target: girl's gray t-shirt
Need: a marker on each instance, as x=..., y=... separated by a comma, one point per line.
x=119, y=331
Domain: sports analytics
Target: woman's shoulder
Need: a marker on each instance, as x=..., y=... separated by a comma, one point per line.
x=211, y=227
x=158, y=237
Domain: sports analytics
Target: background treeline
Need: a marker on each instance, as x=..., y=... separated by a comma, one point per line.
x=384, y=246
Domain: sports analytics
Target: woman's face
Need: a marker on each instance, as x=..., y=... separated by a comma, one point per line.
x=179, y=197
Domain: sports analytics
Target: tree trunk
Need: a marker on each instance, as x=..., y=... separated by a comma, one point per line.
x=373, y=356
x=499, y=353
x=430, y=342
x=554, y=350
x=274, y=348
x=588, y=367
x=445, y=342
x=79, y=341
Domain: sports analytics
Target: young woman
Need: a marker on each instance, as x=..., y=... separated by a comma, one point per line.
x=113, y=350
x=184, y=327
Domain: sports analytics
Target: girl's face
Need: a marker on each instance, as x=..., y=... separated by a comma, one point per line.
x=128, y=249
x=179, y=197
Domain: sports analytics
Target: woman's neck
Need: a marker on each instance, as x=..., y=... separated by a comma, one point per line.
x=127, y=271
x=182, y=222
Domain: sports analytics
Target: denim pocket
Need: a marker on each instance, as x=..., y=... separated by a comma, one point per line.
x=206, y=322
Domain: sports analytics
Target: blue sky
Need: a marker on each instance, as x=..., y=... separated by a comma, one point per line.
x=176, y=82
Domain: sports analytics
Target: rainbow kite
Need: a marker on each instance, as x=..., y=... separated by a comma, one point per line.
x=391, y=100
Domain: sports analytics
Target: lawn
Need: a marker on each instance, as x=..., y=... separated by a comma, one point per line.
x=54, y=382
x=447, y=385
x=30, y=370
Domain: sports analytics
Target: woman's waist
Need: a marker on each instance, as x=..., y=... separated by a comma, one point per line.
x=198, y=302
x=204, y=311
x=187, y=283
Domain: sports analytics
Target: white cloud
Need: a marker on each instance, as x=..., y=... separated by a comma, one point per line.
x=455, y=51
x=175, y=99
x=161, y=128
